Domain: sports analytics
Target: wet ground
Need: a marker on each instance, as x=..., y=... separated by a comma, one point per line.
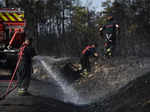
x=122, y=86
x=50, y=95
x=39, y=100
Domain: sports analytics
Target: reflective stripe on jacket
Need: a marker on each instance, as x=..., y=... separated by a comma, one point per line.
x=86, y=49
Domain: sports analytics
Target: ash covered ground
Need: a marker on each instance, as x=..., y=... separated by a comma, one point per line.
x=119, y=84
x=101, y=86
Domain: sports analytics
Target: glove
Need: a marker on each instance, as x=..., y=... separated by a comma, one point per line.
x=96, y=54
x=9, y=47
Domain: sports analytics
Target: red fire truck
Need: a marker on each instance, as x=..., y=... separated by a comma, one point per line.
x=12, y=34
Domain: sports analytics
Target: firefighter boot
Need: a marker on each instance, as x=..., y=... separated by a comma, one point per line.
x=21, y=91
x=85, y=73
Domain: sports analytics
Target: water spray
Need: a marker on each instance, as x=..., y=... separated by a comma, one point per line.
x=70, y=94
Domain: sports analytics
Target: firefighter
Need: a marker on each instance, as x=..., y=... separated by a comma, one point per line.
x=87, y=52
x=108, y=32
x=26, y=52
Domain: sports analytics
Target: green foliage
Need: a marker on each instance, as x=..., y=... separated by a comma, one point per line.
x=107, y=5
x=69, y=26
x=80, y=19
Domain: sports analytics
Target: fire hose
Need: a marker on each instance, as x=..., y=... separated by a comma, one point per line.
x=9, y=89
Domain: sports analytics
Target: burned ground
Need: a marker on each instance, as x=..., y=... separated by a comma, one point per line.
x=112, y=86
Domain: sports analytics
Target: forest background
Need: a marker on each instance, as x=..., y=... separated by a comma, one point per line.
x=65, y=27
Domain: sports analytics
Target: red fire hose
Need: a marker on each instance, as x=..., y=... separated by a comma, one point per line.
x=13, y=37
x=9, y=89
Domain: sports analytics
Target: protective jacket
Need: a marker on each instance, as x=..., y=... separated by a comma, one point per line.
x=27, y=52
x=89, y=50
x=86, y=53
x=25, y=66
x=109, y=30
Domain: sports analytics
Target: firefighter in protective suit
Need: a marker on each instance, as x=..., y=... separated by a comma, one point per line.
x=109, y=32
x=26, y=52
x=87, y=52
